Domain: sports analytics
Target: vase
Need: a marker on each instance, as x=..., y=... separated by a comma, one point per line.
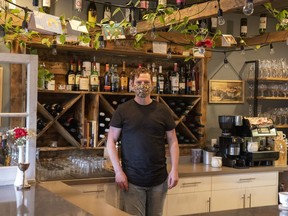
x=21, y=180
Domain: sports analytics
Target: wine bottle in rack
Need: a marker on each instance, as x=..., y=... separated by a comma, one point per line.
x=40, y=124
x=70, y=76
x=94, y=77
x=182, y=81
x=175, y=80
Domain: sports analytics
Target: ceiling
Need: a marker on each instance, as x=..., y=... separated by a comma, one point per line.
x=277, y=4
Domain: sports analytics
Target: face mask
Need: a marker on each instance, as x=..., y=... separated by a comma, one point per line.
x=142, y=90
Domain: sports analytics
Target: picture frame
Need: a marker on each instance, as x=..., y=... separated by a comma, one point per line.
x=226, y=91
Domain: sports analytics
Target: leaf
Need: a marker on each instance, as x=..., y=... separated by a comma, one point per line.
x=116, y=11
x=62, y=38
x=257, y=46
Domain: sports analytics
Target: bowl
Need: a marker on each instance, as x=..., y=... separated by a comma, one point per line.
x=283, y=198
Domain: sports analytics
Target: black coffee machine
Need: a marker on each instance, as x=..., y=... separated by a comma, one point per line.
x=231, y=145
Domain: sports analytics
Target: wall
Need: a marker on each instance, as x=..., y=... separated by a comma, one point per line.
x=237, y=61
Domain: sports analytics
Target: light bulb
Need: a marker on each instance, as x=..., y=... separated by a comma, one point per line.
x=201, y=50
x=248, y=8
x=221, y=20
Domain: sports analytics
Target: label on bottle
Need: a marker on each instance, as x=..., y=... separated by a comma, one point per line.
x=46, y=3
x=244, y=30
x=263, y=22
x=175, y=84
x=78, y=5
x=162, y=2
x=71, y=79
x=124, y=82
x=84, y=83
x=77, y=79
x=94, y=80
x=92, y=16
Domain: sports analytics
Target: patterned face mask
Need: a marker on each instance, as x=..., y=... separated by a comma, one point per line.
x=142, y=90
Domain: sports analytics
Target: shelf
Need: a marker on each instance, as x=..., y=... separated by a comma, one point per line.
x=272, y=98
x=282, y=126
x=48, y=149
x=269, y=79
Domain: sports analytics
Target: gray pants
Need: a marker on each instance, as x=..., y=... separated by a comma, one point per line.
x=144, y=201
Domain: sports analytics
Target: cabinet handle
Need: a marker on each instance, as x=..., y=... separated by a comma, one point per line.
x=243, y=197
x=190, y=184
x=93, y=191
x=247, y=179
x=209, y=204
x=250, y=198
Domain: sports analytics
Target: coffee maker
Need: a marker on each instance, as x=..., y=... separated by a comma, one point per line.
x=231, y=145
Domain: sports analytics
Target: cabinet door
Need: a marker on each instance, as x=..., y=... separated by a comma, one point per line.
x=261, y=196
x=227, y=199
x=187, y=203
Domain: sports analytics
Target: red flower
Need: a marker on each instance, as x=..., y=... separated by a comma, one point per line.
x=20, y=132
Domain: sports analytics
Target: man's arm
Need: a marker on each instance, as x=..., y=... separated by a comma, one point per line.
x=120, y=177
x=174, y=154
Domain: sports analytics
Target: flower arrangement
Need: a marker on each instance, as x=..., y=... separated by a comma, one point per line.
x=205, y=43
x=19, y=135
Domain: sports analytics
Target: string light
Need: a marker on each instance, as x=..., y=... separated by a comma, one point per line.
x=221, y=20
x=248, y=8
x=272, y=51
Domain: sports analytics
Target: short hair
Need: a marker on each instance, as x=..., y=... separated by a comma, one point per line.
x=142, y=70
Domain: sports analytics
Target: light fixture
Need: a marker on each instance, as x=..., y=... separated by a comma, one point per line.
x=242, y=50
x=221, y=20
x=248, y=8
x=272, y=51
x=54, y=47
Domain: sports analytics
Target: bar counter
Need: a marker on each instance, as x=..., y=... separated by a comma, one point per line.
x=60, y=198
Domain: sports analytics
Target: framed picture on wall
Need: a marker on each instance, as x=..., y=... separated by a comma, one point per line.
x=226, y=91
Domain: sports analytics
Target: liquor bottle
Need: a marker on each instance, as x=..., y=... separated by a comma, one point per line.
x=84, y=81
x=180, y=4
x=92, y=13
x=167, y=83
x=107, y=79
x=46, y=5
x=123, y=79
x=94, y=77
x=182, y=81
x=160, y=81
x=77, y=76
x=188, y=80
x=78, y=4
x=71, y=76
x=263, y=23
x=243, y=27
x=175, y=80
x=107, y=12
x=131, y=79
x=154, y=78
x=114, y=79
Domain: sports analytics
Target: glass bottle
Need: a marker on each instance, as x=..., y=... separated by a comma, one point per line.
x=107, y=79
x=154, y=78
x=243, y=27
x=175, y=80
x=71, y=76
x=94, y=77
x=123, y=79
x=160, y=81
x=182, y=81
x=107, y=12
x=92, y=13
x=77, y=76
x=78, y=4
x=114, y=79
x=46, y=5
x=263, y=23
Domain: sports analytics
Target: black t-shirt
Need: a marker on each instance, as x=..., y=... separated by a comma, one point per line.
x=143, y=141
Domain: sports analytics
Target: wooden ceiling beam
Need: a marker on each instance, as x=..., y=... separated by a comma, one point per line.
x=196, y=12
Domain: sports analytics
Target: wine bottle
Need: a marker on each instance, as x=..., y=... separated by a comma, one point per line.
x=92, y=13
x=114, y=79
x=107, y=12
x=175, y=80
x=107, y=79
x=243, y=27
x=77, y=76
x=123, y=79
x=71, y=76
x=40, y=124
x=84, y=81
x=154, y=78
x=263, y=23
x=78, y=4
x=46, y=5
x=57, y=107
x=182, y=81
x=167, y=83
x=160, y=81
x=35, y=3
x=94, y=77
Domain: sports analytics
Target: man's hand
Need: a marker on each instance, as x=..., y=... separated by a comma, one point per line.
x=172, y=179
x=121, y=180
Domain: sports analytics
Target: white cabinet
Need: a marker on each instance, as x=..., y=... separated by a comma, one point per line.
x=191, y=195
x=244, y=190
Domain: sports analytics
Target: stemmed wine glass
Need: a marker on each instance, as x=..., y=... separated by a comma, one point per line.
x=23, y=167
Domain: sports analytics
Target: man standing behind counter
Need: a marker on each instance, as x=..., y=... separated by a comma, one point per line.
x=143, y=124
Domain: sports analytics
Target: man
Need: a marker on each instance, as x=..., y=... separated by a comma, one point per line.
x=143, y=124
